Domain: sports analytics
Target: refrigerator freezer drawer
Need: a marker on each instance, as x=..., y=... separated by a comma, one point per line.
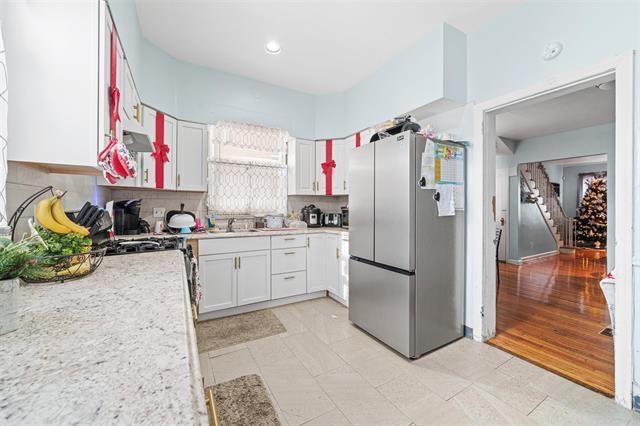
x=381, y=303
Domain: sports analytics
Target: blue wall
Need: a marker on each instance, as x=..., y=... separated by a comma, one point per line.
x=529, y=234
x=433, y=69
x=196, y=93
x=577, y=143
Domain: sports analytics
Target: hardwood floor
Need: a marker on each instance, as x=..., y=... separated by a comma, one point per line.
x=550, y=312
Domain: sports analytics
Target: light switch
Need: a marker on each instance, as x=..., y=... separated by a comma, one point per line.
x=158, y=212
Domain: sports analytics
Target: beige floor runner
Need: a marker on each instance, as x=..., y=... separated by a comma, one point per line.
x=244, y=401
x=223, y=332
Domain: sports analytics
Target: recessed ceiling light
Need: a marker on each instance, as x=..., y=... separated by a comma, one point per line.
x=272, y=47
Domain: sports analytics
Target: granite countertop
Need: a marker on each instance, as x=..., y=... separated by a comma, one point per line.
x=261, y=233
x=238, y=234
x=116, y=347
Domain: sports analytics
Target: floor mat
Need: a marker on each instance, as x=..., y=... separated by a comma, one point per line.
x=223, y=332
x=244, y=401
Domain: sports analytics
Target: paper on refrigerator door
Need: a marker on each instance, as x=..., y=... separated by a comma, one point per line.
x=427, y=166
x=446, y=206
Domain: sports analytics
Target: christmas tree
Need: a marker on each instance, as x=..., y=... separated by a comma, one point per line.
x=591, y=228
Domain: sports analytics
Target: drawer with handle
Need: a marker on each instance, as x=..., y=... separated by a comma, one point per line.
x=286, y=285
x=288, y=241
x=288, y=260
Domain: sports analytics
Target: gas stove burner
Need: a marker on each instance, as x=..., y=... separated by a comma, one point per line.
x=142, y=245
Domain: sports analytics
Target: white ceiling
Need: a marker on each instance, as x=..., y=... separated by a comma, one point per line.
x=327, y=46
x=584, y=108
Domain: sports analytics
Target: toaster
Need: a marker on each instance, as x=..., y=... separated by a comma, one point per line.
x=332, y=219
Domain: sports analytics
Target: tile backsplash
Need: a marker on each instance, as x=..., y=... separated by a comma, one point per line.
x=327, y=204
x=23, y=180
x=195, y=202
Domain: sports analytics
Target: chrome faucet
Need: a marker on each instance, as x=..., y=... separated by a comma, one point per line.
x=230, y=224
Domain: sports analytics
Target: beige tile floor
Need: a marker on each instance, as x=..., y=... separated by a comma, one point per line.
x=325, y=371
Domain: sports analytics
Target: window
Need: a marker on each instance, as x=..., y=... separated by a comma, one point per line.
x=247, y=169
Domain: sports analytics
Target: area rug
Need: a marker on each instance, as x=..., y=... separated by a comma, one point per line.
x=223, y=332
x=244, y=401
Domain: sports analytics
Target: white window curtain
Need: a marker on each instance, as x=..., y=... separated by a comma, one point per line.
x=247, y=169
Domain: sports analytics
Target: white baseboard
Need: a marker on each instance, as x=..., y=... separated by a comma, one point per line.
x=260, y=305
x=539, y=256
x=338, y=299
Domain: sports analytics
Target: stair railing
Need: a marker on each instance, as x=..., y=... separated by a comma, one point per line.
x=566, y=225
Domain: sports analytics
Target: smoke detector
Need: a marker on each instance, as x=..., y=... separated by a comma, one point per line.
x=552, y=50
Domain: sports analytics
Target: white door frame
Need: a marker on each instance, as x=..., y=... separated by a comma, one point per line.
x=481, y=271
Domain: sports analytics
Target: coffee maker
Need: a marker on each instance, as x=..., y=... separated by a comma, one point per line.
x=127, y=218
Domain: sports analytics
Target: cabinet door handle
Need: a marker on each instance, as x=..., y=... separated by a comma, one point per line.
x=314, y=186
x=146, y=176
x=137, y=109
x=178, y=179
x=289, y=278
x=235, y=263
x=308, y=242
x=337, y=253
x=290, y=239
x=289, y=253
x=344, y=184
x=239, y=262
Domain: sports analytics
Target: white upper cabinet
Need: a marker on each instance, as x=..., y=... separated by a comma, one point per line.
x=301, y=167
x=132, y=109
x=54, y=83
x=341, y=148
x=147, y=169
x=192, y=157
x=323, y=155
x=306, y=173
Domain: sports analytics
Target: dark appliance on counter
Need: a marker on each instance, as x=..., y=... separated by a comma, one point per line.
x=127, y=218
x=345, y=216
x=332, y=220
x=312, y=215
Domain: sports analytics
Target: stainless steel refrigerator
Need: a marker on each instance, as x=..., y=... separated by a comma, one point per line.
x=406, y=270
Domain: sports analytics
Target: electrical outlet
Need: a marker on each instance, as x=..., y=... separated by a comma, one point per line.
x=158, y=212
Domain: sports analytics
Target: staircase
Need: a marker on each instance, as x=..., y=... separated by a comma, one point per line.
x=542, y=193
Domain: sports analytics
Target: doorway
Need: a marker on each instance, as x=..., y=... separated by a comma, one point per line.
x=481, y=217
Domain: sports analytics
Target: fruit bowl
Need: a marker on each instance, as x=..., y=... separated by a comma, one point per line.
x=67, y=267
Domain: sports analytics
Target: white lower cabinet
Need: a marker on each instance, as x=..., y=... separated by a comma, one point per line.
x=218, y=275
x=316, y=270
x=254, y=277
x=242, y=271
x=289, y=284
x=332, y=263
x=343, y=289
x=234, y=279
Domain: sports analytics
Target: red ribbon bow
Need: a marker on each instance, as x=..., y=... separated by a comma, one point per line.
x=327, y=166
x=160, y=152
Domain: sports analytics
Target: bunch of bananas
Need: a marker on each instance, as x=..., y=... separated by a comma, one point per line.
x=50, y=214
